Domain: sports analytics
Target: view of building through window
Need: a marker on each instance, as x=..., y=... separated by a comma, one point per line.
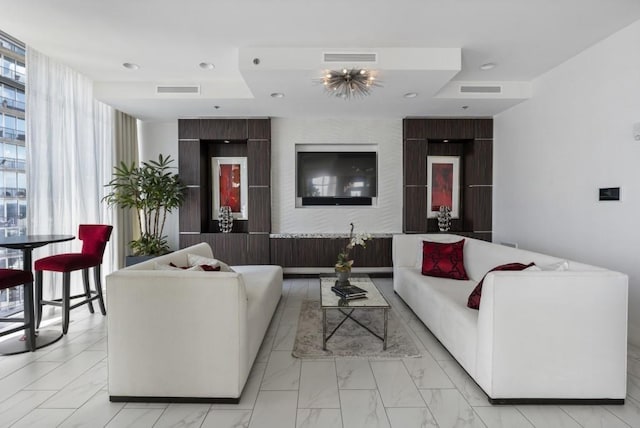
x=13, y=179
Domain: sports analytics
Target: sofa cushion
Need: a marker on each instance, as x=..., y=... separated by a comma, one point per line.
x=476, y=294
x=444, y=260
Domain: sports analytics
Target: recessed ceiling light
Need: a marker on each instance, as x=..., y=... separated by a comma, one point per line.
x=130, y=66
x=488, y=66
x=206, y=66
x=277, y=95
x=410, y=95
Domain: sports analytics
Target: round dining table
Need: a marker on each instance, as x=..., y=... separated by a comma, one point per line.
x=27, y=243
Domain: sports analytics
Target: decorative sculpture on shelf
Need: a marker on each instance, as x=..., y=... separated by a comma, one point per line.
x=225, y=219
x=444, y=218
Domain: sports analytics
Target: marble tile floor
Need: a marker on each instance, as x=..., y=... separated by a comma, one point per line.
x=65, y=385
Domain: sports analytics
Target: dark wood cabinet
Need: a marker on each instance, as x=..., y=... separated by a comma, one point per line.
x=322, y=252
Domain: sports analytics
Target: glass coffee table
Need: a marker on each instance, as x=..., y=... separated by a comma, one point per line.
x=330, y=301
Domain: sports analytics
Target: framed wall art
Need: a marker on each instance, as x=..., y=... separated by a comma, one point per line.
x=443, y=184
x=230, y=188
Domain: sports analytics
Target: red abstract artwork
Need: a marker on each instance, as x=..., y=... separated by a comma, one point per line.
x=442, y=182
x=230, y=186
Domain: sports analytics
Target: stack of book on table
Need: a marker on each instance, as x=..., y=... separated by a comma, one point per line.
x=349, y=292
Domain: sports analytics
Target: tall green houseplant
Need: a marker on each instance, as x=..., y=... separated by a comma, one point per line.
x=153, y=191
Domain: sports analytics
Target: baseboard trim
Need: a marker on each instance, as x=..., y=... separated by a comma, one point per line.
x=563, y=401
x=205, y=400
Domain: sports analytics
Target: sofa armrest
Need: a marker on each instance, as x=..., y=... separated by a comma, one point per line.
x=538, y=330
x=176, y=333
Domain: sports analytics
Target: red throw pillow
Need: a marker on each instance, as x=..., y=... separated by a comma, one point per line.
x=476, y=294
x=443, y=260
x=209, y=268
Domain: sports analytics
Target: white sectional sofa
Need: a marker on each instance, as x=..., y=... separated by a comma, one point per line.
x=184, y=335
x=539, y=336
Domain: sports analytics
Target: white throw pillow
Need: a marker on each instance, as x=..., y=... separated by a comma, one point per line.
x=162, y=266
x=196, y=260
x=553, y=267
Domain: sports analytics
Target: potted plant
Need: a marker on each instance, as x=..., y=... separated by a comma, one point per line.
x=344, y=263
x=153, y=191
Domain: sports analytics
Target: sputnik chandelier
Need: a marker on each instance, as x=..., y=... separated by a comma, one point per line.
x=347, y=84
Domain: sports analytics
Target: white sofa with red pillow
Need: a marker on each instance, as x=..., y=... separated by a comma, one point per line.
x=554, y=334
x=186, y=335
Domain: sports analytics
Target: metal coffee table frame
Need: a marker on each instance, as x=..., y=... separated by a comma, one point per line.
x=374, y=300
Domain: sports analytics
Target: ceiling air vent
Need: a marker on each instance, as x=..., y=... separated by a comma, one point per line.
x=180, y=90
x=350, y=57
x=481, y=89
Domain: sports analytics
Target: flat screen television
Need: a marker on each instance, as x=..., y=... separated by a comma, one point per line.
x=336, y=178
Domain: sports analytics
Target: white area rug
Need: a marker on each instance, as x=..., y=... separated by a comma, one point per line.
x=351, y=340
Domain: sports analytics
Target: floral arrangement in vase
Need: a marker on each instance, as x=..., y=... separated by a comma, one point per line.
x=344, y=263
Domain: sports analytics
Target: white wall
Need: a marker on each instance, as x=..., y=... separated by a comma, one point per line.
x=385, y=217
x=156, y=138
x=554, y=151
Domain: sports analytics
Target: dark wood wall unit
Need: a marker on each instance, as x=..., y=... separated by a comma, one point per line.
x=202, y=139
x=477, y=215
x=191, y=212
x=322, y=252
x=478, y=162
x=260, y=209
x=189, y=162
x=415, y=220
x=224, y=129
x=259, y=129
x=188, y=129
x=259, y=249
x=472, y=141
x=415, y=162
x=259, y=162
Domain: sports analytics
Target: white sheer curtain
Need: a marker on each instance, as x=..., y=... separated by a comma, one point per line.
x=70, y=156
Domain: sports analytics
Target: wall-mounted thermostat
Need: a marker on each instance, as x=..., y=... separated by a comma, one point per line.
x=610, y=194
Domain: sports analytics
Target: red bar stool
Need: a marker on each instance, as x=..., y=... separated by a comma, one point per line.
x=94, y=239
x=12, y=278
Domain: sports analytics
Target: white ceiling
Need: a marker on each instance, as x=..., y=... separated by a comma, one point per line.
x=169, y=38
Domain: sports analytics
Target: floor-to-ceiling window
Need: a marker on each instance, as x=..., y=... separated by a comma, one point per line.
x=13, y=181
